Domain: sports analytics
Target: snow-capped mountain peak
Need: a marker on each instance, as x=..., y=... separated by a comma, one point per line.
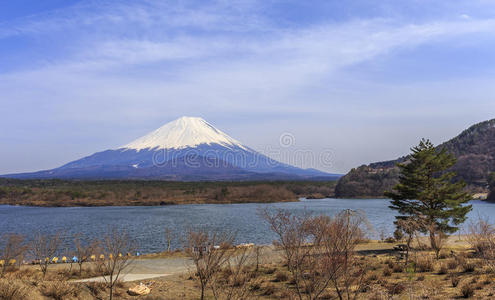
x=183, y=133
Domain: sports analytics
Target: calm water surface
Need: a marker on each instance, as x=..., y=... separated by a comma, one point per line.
x=147, y=224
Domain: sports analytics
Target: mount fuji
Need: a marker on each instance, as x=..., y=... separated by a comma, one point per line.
x=186, y=149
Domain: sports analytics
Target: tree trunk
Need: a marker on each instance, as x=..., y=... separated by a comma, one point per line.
x=111, y=286
x=433, y=243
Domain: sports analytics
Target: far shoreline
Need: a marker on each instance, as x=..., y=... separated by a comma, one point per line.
x=98, y=193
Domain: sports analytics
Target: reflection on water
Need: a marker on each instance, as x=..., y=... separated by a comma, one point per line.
x=147, y=224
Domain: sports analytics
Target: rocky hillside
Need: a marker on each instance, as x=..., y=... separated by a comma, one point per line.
x=474, y=149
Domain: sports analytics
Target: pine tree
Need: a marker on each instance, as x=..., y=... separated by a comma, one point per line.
x=427, y=193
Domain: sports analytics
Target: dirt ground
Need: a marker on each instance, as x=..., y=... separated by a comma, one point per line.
x=456, y=274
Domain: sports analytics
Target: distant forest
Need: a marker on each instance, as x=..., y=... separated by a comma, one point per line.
x=139, y=193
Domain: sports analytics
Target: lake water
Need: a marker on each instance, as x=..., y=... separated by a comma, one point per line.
x=147, y=224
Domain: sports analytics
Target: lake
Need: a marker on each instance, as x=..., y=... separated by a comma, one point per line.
x=147, y=223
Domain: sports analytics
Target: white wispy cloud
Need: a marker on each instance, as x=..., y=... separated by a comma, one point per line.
x=156, y=60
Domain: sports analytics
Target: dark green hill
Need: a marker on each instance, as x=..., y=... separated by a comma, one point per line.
x=474, y=149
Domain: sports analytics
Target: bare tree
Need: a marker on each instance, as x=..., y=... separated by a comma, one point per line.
x=209, y=251
x=299, y=238
x=232, y=283
x=409, y=227
x=12, y=247
x=481, y=237
x=343, y=232
x=320, y=251
x=83, y=250
x=116, y=247
x=43, y=248
x=258, y=254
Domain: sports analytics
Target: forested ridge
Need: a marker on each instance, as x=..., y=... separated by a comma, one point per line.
x=474, y=150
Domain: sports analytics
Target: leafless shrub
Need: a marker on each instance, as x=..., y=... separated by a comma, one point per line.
x=13, y=290
x=344, y=233
x=59, y=290
x=115, y=246
x=408, y=229
x=424, y=264
x=298, y=239
x=95, y=288
x=280, y=276
x=83, y=250
x=254, y=286
x=258, y=254
x=454, y=280
x=482, y=239
x=443, y=255
x=467, y=290
x=43, y=248
x=443, y=269
x=209, y=251
x=486, y=280
x=452, y=264
x=396, y=288
x=269, y=289
x=468, y=267
x=372, y=277
x=235, y=286
x=396, y=268
x=319, y=251
x=428, y=289
x=12, y=249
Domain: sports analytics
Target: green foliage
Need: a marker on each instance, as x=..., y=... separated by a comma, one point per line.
x=426, y=190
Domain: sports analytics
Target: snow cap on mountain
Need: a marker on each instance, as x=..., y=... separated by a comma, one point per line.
x=183, y=133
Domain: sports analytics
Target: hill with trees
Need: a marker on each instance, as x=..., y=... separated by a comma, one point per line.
x=474, y=150
x=55, y=192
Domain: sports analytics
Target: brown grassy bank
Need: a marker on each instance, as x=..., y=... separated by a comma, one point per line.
x=149, y=193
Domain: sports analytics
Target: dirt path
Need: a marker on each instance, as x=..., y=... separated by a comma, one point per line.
x=142, y=269
x=146, y=268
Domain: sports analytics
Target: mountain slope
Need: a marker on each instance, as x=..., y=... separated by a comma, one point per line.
x=185, y=149
x=474, y=149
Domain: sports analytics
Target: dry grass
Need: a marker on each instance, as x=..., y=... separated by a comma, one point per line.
x=13, y=290
x=59, y=290
x=383, y=281
x=425, y=264
x=467, y=290
x=96, y=288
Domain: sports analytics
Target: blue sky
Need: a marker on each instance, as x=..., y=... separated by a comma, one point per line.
x=362, y=80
